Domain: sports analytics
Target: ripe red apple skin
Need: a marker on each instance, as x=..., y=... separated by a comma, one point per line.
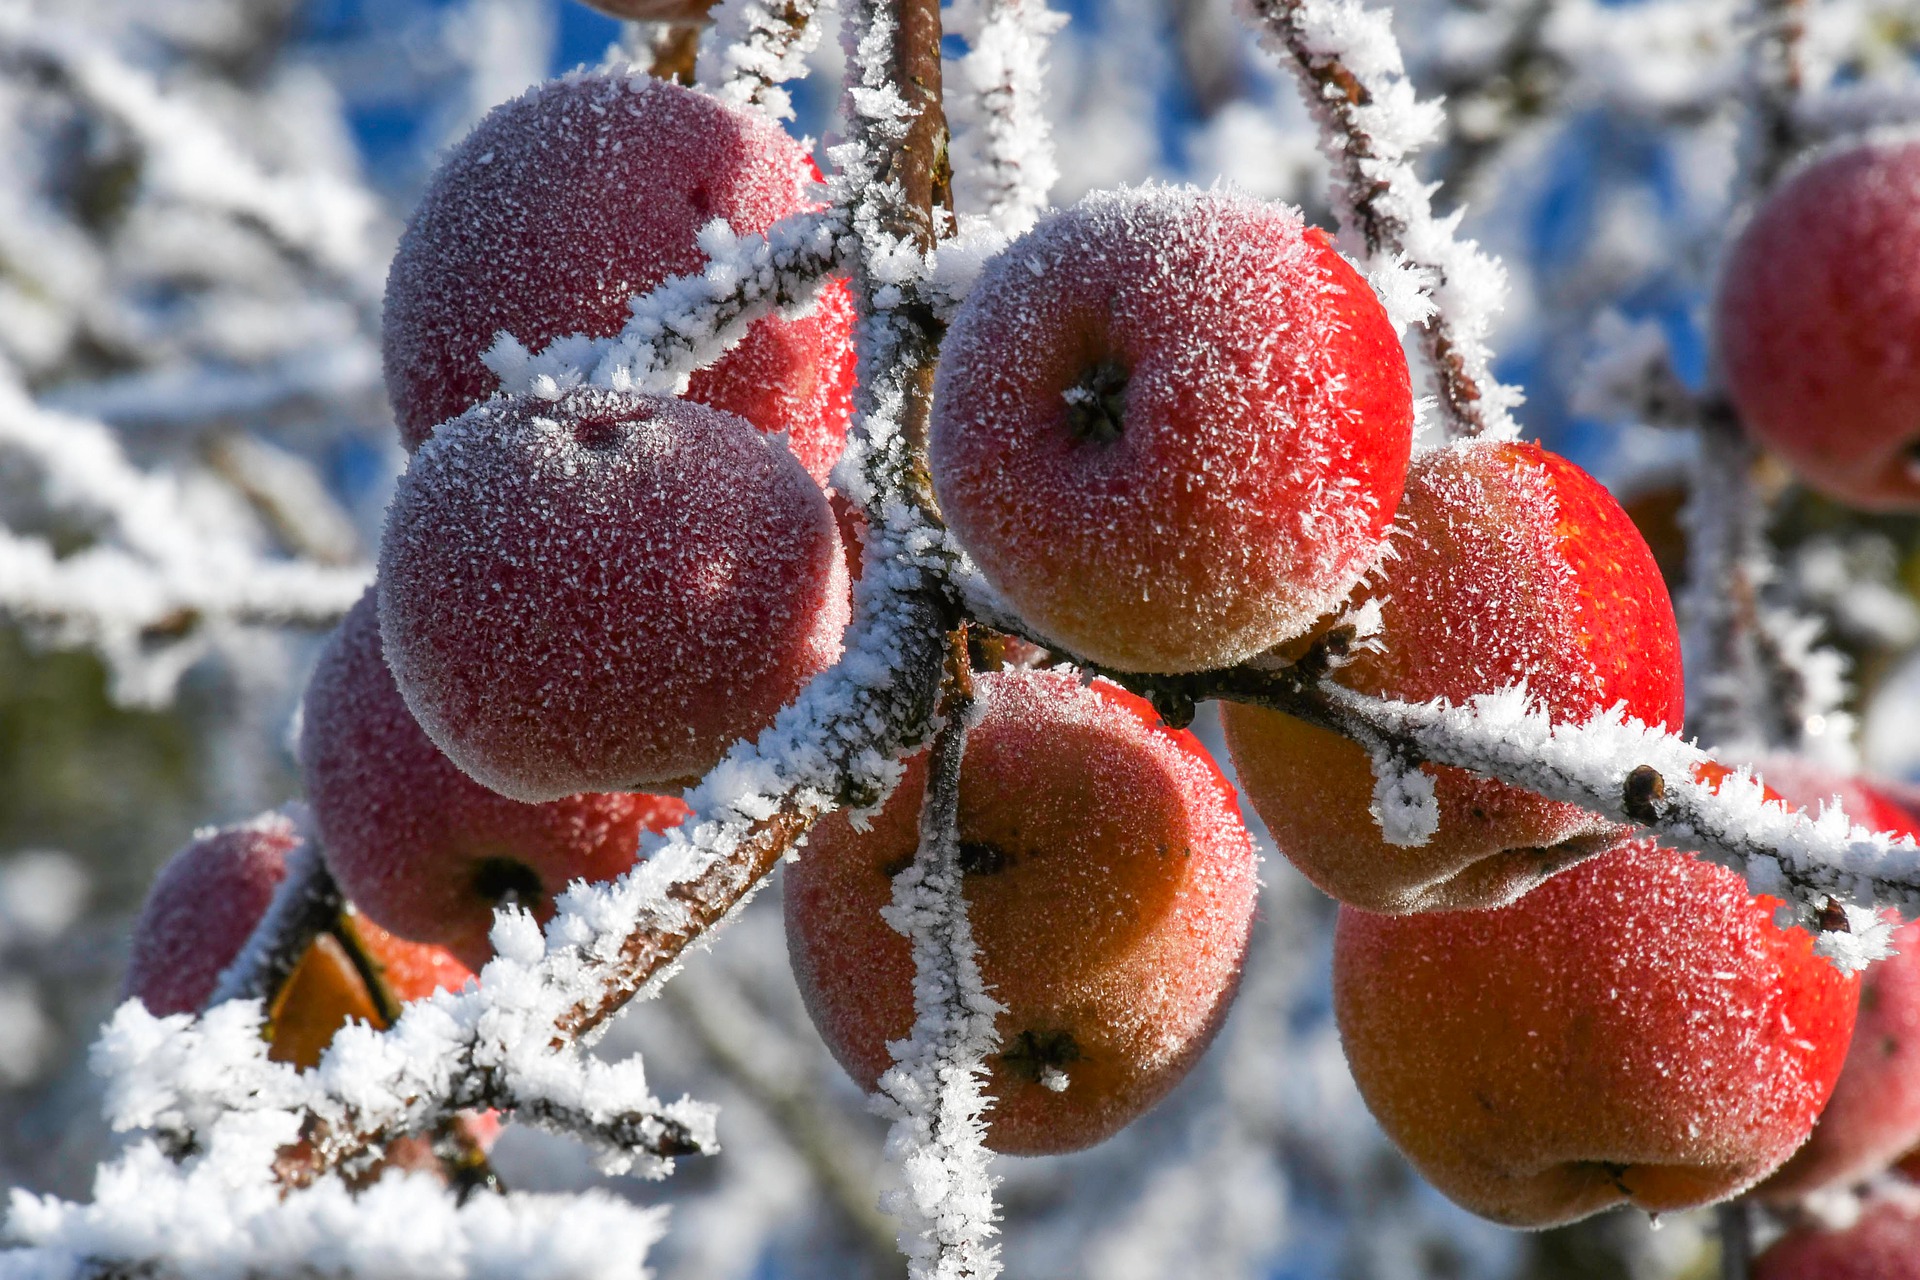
x=1637, y=1029
x=1874, y=1115
x=1883, y=1245
x=422, y=849
x=1817, y=323
x=201, y=909
x=604, y=592
x=1241, y=432
x=1110, y=889
x=1509, y=563
x=567, y=202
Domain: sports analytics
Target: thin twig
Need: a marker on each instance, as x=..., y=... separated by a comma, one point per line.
x=1366, y=117
x=933, y=1091
x=1735, y=1220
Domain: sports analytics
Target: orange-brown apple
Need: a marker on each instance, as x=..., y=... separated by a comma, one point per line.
x=1635, y=1030
x=1509, y=564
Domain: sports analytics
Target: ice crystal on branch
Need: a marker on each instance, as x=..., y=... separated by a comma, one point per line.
x=1004, y=152
x=933, y=1092
x=754, y=47
x=1351, y=75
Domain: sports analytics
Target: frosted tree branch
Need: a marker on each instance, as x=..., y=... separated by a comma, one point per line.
x=933, y=1091
x=1004, y=147
x=1841, y=109
x=1760, y=683
x=690, y=321
x=1350, y=72
x=1776, y=80
x=1614, y=766
x=672, y=49
x=1753, y=690
x=156, y=570
x=753, y=47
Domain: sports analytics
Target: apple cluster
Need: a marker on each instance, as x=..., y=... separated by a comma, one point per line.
x=1172, y=429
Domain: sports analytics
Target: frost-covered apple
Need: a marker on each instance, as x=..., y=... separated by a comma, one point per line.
x=1509, y=564
x=1110, y=886
x=204, y=905
x=422, y=848
x=603, y=592
x=1874, y=1115
x=567, y=202
x=1637, y=1029
x=1817, y=324
x=1170, y=426
x=201, y=909
x=1884, y=1244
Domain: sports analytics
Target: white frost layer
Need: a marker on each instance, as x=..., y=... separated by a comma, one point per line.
x=1003, y=151
x=157, y=559
x=218, y=1217
x=689, y=321
x=1795, y=856
x=933, y=1092
x=752, y=48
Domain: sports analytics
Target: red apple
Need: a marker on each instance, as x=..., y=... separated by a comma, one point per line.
x=1874, y=1114
x=202, y=909
x=1170, y=426
x=1510, y=564
x=604, y=592
x=1883, y=1245
x=1637, y=1029
x=567, y=202
x=423, y=849
x=1817, y=323
x=1110, y=887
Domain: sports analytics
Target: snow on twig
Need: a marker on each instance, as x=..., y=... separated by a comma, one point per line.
x=1626, y=771
x=689, y=321
x=753, y=47
x=1350, y=72
x=1666, y=60
x=220, y=1217
x=1004, y=151
x=1612, y=765
x=1757, y=683
x=1843, y=109
x=933, y=1092
x=1758, y=680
